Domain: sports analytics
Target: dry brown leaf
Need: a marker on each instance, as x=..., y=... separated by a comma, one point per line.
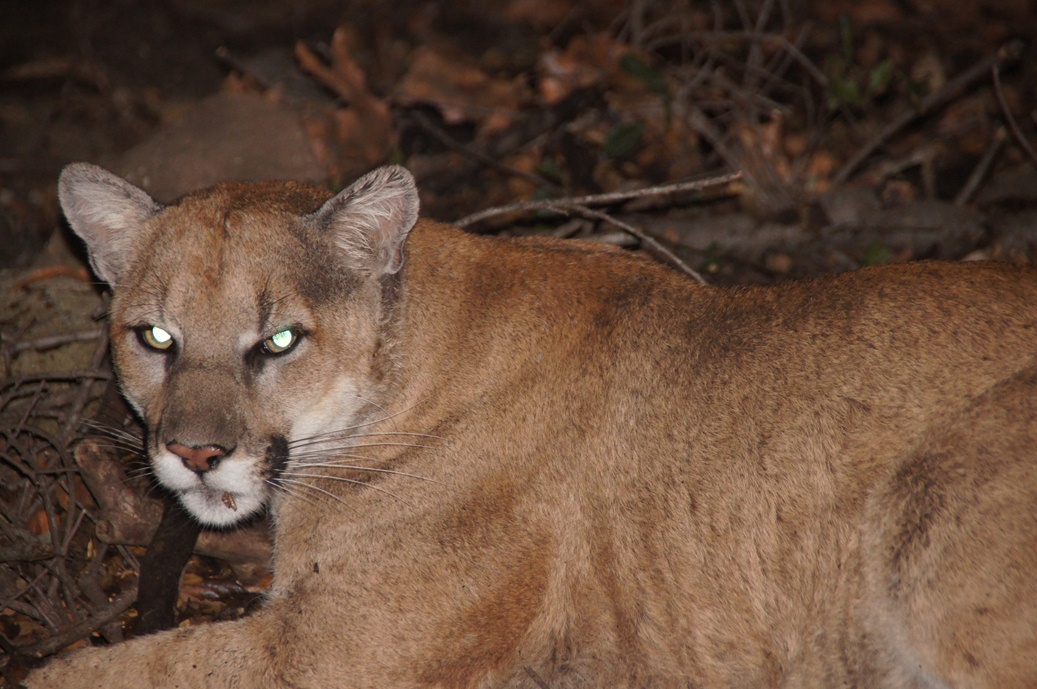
x=460, y=90
x=764, y=149
x=38, y=523
x=819, y=172
x=364, y=128
x=968, y=121
x=585, y=62
x=861, y=13
x=191, y=579
x=540, y=14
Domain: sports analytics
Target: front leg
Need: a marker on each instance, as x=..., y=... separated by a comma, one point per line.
x=213, y=656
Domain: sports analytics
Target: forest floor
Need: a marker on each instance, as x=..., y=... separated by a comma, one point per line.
x=744, y=142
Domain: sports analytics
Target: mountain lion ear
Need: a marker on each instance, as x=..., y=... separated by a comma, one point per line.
x=106, y=211
x=371, y=219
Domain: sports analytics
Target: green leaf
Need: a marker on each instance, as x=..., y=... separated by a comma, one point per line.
x=544, y=193
x=846, y=38
x=881, y=76
x=712, y=258
x=643, y=72
x=623, y=139
x=877, y=255
x=549, y=169
x=843, y=93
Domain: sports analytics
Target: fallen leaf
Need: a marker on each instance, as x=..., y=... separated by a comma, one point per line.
x=364, y=128
x=587, y=61
x=540, y=14
x=460, y=90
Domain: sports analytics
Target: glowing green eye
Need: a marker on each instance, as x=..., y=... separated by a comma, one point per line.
x=280, y=342
x=156, y=338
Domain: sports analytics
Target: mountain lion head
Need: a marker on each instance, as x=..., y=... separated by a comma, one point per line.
x=245, y=322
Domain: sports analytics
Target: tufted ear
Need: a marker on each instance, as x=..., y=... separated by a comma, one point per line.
x=106, y=211
x=371, y=219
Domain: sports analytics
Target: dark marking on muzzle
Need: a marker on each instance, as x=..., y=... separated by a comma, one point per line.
x=277, y=456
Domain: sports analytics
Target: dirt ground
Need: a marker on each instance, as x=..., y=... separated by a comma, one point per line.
x=861, y=131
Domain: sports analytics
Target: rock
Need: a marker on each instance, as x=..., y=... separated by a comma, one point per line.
x=228, y=136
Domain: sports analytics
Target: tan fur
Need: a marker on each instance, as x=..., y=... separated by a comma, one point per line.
x=634, y=481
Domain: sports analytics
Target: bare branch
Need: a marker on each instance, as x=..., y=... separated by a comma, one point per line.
x=600, y=199
x=94, y=621
x=1008, y=53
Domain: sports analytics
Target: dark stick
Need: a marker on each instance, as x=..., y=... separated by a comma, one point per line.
x=161, y=567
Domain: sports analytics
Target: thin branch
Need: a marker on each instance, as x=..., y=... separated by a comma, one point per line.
x=1012, y=125
x=646, y=239
x=981, y=169
x=714, y=37
x=60, y=376
x=94, y=621
x=26, y=551
x=600, y=199
x=224, y=55
x=1008, y=53
x=45, y=343
x=449, y=141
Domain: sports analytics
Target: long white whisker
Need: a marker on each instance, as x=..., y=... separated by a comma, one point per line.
x=293, y=492
x=420, y=435
x=295, y=474
x=114, y=433
x=339, y=465
x=380, y=408
x=113, y=444
x=303, y=484
x=342, y=435
x=323, y=451
x=372, y=422
x=316, y=454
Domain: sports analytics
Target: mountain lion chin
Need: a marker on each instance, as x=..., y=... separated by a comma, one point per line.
x=220, y=508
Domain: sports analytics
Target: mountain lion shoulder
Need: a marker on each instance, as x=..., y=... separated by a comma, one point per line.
x=534, y=463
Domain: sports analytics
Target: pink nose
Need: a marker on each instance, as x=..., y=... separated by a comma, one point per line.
x=198, y=459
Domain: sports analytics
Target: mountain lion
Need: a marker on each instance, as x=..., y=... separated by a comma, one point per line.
x=545, y=464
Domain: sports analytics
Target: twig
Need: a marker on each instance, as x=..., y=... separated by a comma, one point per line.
x=581, y=205
x=1012, y=125
x=45, y=343
x=714, y=37
x=568, y=207
x=224, y=55
x=981, y=169
x=1010, y=52
x=26, y=551
x=83, y=395
x=646, y=239
x=705, y=127
x=600, y=199
x=755, y=58
x=449, y=141
x=94, y=621
x=57, y=376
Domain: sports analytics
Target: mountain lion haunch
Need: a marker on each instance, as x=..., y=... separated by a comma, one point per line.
x=535, y=463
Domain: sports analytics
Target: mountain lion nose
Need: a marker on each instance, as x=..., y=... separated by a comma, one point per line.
x=198, y=459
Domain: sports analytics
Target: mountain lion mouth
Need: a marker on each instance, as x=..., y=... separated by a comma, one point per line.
x=219, y=507
x=215, y=497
